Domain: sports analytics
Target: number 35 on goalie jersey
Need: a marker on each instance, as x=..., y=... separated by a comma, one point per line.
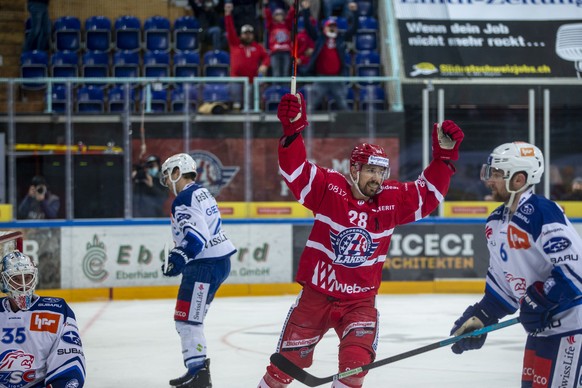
x=40, y=347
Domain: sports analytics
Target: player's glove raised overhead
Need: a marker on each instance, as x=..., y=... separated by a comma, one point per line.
x=446, y=139
x=535, y=310
x=292, y=113
x=177, y=260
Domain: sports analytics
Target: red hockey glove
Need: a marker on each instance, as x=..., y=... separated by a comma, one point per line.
x=446, y=139
x=292, y=113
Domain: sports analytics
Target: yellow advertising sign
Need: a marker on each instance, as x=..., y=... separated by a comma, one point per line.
x=286, y=210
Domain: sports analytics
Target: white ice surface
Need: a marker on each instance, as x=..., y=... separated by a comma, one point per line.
x=134, y=343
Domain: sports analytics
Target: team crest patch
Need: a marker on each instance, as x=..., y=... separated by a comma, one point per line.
x=211, y=173
x=352, y=247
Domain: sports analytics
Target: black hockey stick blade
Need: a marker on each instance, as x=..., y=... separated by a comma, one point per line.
x=312, y=381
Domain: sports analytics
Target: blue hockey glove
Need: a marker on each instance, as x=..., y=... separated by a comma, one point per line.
x=535, y=310
x=475, y=317
x=177, y=260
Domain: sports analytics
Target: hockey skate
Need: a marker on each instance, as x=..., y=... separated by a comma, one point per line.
x=200, y=380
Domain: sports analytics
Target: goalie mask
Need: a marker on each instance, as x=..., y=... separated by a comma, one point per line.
x=183, y=162
x=19, y=279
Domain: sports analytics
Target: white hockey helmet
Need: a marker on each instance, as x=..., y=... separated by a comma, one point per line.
x=19, y=278
x=183, y=162
x=515, y=157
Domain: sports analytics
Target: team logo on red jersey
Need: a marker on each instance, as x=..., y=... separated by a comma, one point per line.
x=352, y=247
x=517, y=238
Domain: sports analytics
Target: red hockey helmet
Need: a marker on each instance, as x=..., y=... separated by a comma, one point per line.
x=372, y=154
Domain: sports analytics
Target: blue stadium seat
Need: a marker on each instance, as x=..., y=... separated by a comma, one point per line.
x=367, y=24
x=372, y=96
x=64, y=64
x=127, y=33
x=365, y=7
x=116, y=99
x=34, y=64
x=366, y=41
x=350, y=100
x=272, y=96
x=126, y=64
x=59, y=99
x=159, y=101
x=186, y=34
x=95, y=64
x=90, y=100
x=156, y=64
x=67, y=34
x=216, y=63
x=179, y=94
x=157, y=34
x=187, y=64
x=97, y=33
x=216, y=92
x=367, y=64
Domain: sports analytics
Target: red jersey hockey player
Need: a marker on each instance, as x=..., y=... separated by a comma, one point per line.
x=341, y=266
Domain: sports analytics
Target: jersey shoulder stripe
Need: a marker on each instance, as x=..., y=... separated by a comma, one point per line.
x=536, y=212
x=497, y=214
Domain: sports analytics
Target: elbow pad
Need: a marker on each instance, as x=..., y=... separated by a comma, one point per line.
x=192, y=244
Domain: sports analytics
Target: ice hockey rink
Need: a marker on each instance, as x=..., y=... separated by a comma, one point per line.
x=134, y=343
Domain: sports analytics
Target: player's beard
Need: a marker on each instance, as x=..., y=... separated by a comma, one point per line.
x=370, y=188
x=499, y=196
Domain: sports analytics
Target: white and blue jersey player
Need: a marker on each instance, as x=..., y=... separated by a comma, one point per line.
x=202, y=255
x=535, y=266
x=40, y=344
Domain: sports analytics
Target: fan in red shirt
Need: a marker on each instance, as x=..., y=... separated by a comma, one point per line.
x=279, y=25
x=340, y=268
x=247, y=57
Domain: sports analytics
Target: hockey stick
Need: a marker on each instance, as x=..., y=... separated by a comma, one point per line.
x=312, y=381
x=143, y=147
x=294, y=40
x=166, y=254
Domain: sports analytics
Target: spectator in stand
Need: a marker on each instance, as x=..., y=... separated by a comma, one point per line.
x=247, y=57
x=244, y=12
x=38, y=37
x=39, y=202
x=328, y=58
x=279, y=28
x=208, y=13
x=576, y=193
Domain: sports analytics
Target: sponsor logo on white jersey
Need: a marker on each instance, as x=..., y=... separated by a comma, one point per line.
x=44, y=322
x=557, y=244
